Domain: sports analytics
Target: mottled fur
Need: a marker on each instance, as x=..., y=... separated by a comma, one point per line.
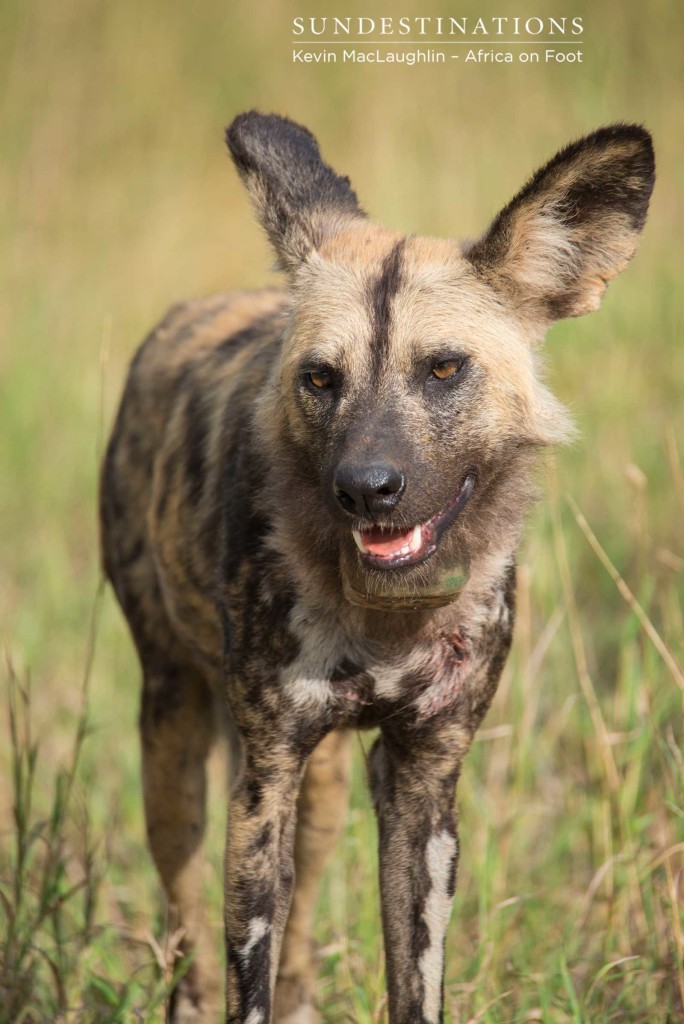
x=228, y=540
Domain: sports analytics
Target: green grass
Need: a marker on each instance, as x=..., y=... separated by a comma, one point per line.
x=117, y=199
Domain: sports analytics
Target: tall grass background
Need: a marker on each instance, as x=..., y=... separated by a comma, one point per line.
x=117, y=199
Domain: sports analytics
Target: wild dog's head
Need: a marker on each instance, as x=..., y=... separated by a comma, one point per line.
x=407, y=398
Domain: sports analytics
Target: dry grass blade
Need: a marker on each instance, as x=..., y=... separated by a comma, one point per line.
x=606, y=969
x=673, y=892
x=629, y=598
x=579, y=651
x=492, y=1002
x=663, y=857
x=675, y=464
x=592, y=890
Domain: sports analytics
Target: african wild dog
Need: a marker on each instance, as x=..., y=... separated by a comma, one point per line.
x=277, y=452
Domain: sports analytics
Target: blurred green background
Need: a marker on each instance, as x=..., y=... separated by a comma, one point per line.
x=118, y=198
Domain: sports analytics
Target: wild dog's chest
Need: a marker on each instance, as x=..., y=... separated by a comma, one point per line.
x=347, y=679
x=316, y=667
x=421, y=681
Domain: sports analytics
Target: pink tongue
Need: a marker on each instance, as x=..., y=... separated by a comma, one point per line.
x=379, y=543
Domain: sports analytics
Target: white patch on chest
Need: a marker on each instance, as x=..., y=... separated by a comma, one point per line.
x=439, y=856
x=323, y=646
x=393, y=678
x=388, y=679
x=428, y=676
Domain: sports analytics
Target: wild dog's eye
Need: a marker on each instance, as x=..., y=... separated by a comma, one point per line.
x=320, y=378
x=447, y=368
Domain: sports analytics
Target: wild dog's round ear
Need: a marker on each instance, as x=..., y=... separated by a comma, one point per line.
x=573, y=227
x=298, y=198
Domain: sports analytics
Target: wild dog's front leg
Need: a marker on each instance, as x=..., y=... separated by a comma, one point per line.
x=259, y=873
x=413, y=777
x=320, y=817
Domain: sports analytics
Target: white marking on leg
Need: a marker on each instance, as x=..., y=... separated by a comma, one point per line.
x=439, y=856
x=255, y=1017
x=258, y=927
x=307, y=691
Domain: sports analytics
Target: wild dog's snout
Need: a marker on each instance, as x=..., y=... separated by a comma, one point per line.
x=368, y=489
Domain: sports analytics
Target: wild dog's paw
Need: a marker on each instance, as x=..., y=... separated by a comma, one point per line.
x=184, y=1009
x=187, y=1006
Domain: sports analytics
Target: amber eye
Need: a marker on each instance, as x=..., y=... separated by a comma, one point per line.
x=320, y=378
x=447, y=368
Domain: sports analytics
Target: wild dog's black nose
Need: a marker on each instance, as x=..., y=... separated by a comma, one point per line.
x=368, y=490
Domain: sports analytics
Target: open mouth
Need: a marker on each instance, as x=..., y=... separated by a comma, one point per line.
x=393, y=549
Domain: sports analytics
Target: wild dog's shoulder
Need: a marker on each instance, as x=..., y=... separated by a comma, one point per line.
x=190, y=357
x=188, y=368
x=186, y=395
x=214, y=328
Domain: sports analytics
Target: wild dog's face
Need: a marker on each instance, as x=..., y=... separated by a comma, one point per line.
x=408, y=389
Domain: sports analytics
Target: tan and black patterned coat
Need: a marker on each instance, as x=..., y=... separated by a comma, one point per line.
x=263, y=441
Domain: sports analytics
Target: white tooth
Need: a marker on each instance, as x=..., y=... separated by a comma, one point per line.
x=416, y=539
x=359, y=542
x=406, y=550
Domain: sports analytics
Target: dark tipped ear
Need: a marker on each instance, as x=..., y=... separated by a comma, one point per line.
x=573, y=227
x=298, y=198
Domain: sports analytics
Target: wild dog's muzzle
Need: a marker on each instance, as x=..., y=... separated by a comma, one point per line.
x=393, y=549
x=369, y=490
x=379, y=571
